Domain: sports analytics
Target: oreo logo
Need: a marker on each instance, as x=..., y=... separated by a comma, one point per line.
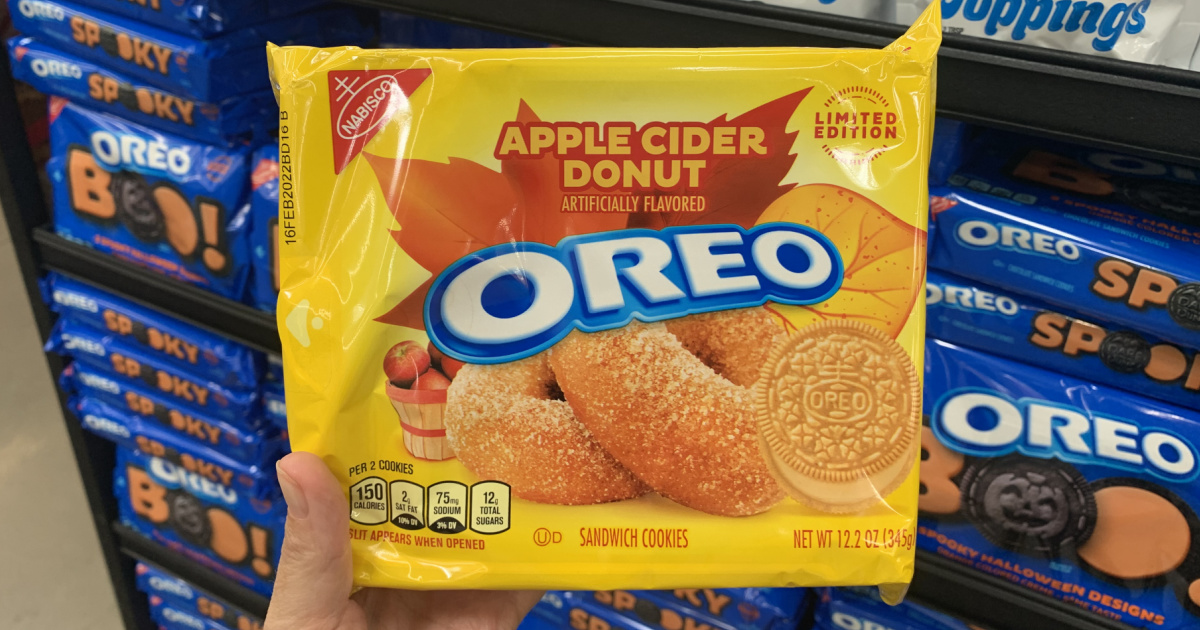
x=988, y=424
x=124, y=149
x=969, y=299
x=172, y=476
x=51, y=68
x=71, y=342
x=179, y=588
x=45, y=10
x=983, y=234
x=512, y=301
x=850, y=622
x=106, y=426
x=76, y=301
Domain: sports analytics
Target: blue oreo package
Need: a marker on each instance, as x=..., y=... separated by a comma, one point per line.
x=203, y=18
x=264, y=233
x=210, y=70
x=275, y=368
x=190, y=347
x=131, y=431
x=249, y=118
x=1120, y=266
x=122, y=393
x=249, y=446
x=114, y=352
x=171, y=615
x=155, y=199
x=861, y=609
x=127, y=364
x=193, y=601
x=950, y=140
x=1071, y=489
x=220, y=527
x=274, y=404
x=564, y=610
x=971, y=314
x=730, y=608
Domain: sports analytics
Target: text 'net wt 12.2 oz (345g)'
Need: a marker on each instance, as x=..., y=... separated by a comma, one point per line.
x=602, y=318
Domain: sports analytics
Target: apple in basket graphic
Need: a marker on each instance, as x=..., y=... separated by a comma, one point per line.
x=417, y=379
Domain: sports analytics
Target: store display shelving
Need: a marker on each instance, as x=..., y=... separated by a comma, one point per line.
x=1141, y=109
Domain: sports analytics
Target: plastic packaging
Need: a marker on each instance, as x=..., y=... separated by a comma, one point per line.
x=950, y=141
x=507, y=269
x=974, y=315
x=216, y=526
x=207, y=70
x=175, y=341
x=252, y=117
x=1074, y=490
x=1163, y=32
x=203, y=18
x=192, y=600
x=861, y=609
x=264, y=233
x=155, y=199
x=719, y=609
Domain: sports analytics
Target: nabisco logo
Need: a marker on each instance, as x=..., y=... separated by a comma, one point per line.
x=362, y=102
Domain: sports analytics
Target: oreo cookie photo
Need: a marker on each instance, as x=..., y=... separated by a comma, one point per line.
x=157, y=200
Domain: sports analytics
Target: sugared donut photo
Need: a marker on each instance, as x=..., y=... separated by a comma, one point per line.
x=671, y=402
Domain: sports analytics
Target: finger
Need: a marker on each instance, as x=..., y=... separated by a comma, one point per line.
x=312, y=588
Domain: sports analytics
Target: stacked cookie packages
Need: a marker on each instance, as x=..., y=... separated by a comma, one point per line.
x=552, y=331
x=1062, y=385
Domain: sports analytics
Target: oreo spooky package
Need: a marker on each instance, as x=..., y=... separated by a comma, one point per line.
x=701, y=609
x=545, y=312
x=218, y=526
x=155, y=199
x=51, y=71
x=972, y=314
x=168, y=338
x=1074, y=490
x=192, y=601
x=203, y=18
x=861, y=609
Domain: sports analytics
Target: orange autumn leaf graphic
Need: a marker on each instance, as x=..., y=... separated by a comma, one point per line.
x=882, y=254
x=737, y=189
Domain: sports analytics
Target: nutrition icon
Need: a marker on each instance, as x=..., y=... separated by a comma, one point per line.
x=448, y=507
x=408, y=505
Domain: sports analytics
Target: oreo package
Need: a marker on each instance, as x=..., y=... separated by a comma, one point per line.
x=132, y=431
x=246, y=445
x=251, y=117
x=203, y=18
x=193, y=601
x=731, y=608
x=1120, y=266
x=209, y=70
x=564, y=610
x=274, y=404
x=128, y=364
x=1046, y=172
x=155, y=199
x=862, y=609
x=167, y=338
x=123, y=393
x=264, y=232
x=1075, y=490
x=950, y=139
x=971, y=314
x=172, y=615
x=220, y=527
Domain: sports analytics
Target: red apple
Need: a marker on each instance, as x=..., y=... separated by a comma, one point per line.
x=405, y=362
x=450, y=367
x=436, y=355
x=431, y=380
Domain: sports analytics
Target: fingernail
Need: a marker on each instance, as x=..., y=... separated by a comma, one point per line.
x=293, y=495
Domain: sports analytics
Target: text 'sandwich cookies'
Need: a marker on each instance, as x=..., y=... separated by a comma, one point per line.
x=589, y=318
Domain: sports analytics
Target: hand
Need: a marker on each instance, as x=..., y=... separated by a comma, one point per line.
x=313, y=585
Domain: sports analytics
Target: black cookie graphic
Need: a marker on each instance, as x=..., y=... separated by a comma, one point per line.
x=1184, y=305
x=127, y=96
x=136, y=207
x=1167, y=199
x=109, y=42
x=189, y=518
x=1038, y=507
x=1125, y=352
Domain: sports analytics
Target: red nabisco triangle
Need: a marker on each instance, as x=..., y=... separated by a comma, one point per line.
x=361, y=102
x=21, y=50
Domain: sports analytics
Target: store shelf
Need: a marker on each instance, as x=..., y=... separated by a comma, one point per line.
x=1138, y=108
x=995, y=603
x=139, y=547
x=234, y=320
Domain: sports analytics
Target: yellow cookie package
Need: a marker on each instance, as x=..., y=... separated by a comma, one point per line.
x=602, y=318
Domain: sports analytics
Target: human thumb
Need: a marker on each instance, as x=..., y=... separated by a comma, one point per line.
x=312, y=586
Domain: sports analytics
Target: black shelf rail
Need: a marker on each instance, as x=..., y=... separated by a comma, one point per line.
x=138, y=547
x=1132, y=107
